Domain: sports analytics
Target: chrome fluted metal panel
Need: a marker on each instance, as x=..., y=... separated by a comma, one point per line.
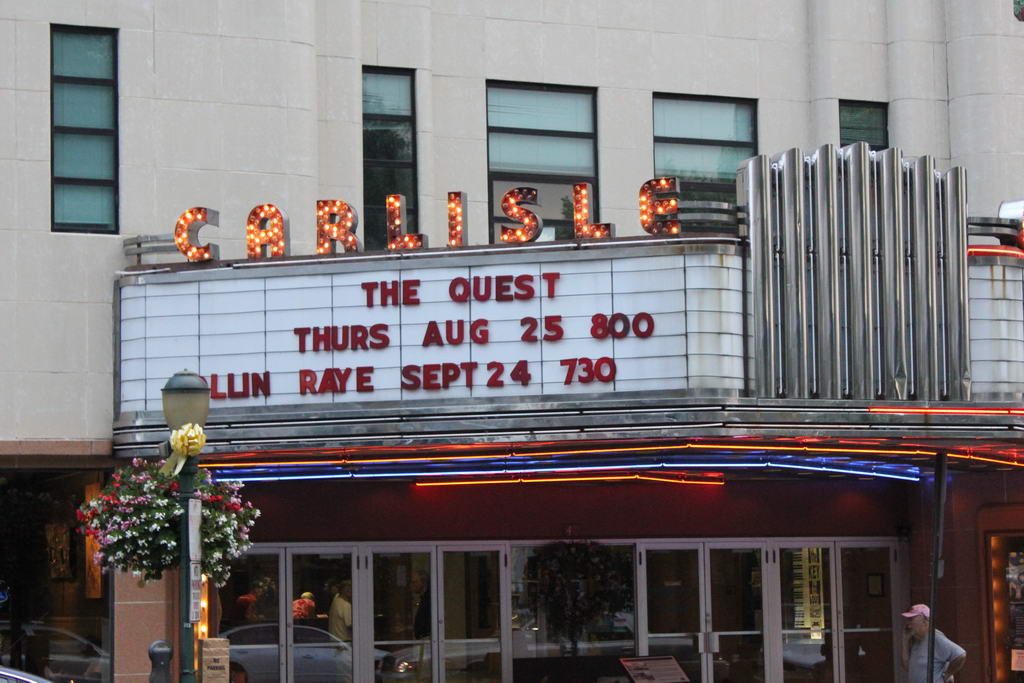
x=924, y=255
x=860, y=289
x=858, y=276
x=957, y=304
x=754, y=189
x=942, y=344
x=893, y=248
x=936, y=339
x=913, y=289
x=825, y=288
x=788, y=168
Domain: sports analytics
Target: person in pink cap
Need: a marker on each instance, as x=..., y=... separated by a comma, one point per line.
x=949, y=657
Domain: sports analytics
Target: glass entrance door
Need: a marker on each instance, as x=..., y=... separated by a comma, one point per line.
x=320, y=617
x=249, y=607
x=735, y=640
x=675, y=606
x=835, y=611
x=868, y=645
x=806, y=618
x=470, y=647
x=705, y=607
x=403, y=614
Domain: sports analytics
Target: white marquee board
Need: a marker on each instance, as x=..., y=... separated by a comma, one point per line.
x=248, y=325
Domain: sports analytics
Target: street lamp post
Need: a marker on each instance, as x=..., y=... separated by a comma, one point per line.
x=186, y=399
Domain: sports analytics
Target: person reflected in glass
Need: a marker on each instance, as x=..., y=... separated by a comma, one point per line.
x=339, y=621
x=266, y=603
x=304, y=607
x=420, y=585
x=250, y=606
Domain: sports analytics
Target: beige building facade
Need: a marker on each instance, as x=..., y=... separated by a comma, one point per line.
x=231, y=104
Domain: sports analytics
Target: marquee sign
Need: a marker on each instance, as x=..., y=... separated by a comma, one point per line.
x=668, y=318
x=795, y=298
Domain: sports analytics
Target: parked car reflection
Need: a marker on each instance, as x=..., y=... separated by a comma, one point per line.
x=805, y=656
x=318, y=656
x=56, y=653
x=15, y=676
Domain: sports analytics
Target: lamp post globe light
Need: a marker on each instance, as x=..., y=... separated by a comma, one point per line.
x=186, y=400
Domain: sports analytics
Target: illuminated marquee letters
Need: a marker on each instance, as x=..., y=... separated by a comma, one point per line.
x=397, y=237
x=512, y=206
x=581, y=197
x=660, y=197
x=266, y=229
x=266, y=232
x=456, y=218
x=336, y=221
x=186, y=231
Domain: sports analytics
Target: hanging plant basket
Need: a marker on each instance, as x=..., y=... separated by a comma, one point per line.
x=136, y=519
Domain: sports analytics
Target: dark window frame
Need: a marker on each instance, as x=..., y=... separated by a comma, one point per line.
x=690, y=186
x=412, y=215
x=114, y=132
x=865, y=104
x=560, y=225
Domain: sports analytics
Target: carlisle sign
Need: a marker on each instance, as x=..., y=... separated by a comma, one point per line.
x=266, y=229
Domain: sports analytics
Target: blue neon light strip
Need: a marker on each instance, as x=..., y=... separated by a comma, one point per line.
x=839, y=470
x=914, y=476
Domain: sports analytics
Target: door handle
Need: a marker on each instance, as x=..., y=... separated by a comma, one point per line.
x=714, y=642
x=701, y=643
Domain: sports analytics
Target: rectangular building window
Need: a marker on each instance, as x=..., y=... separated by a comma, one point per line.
x=541, y=136
x=83, y=132
x=864, y=122
x=389, y=150
x=702, y=141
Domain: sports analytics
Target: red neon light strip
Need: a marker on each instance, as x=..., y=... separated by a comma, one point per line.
x=945, y=411
x=552, y=480
x=994, y=460
x=982, y=250
x=680, y=481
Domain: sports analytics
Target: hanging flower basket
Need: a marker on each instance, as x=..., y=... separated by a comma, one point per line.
x=136, y=519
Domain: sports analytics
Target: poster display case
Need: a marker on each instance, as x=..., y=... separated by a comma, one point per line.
x=1007, y=562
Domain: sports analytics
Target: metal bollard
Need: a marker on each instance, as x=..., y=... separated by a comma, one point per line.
x=160, y=653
